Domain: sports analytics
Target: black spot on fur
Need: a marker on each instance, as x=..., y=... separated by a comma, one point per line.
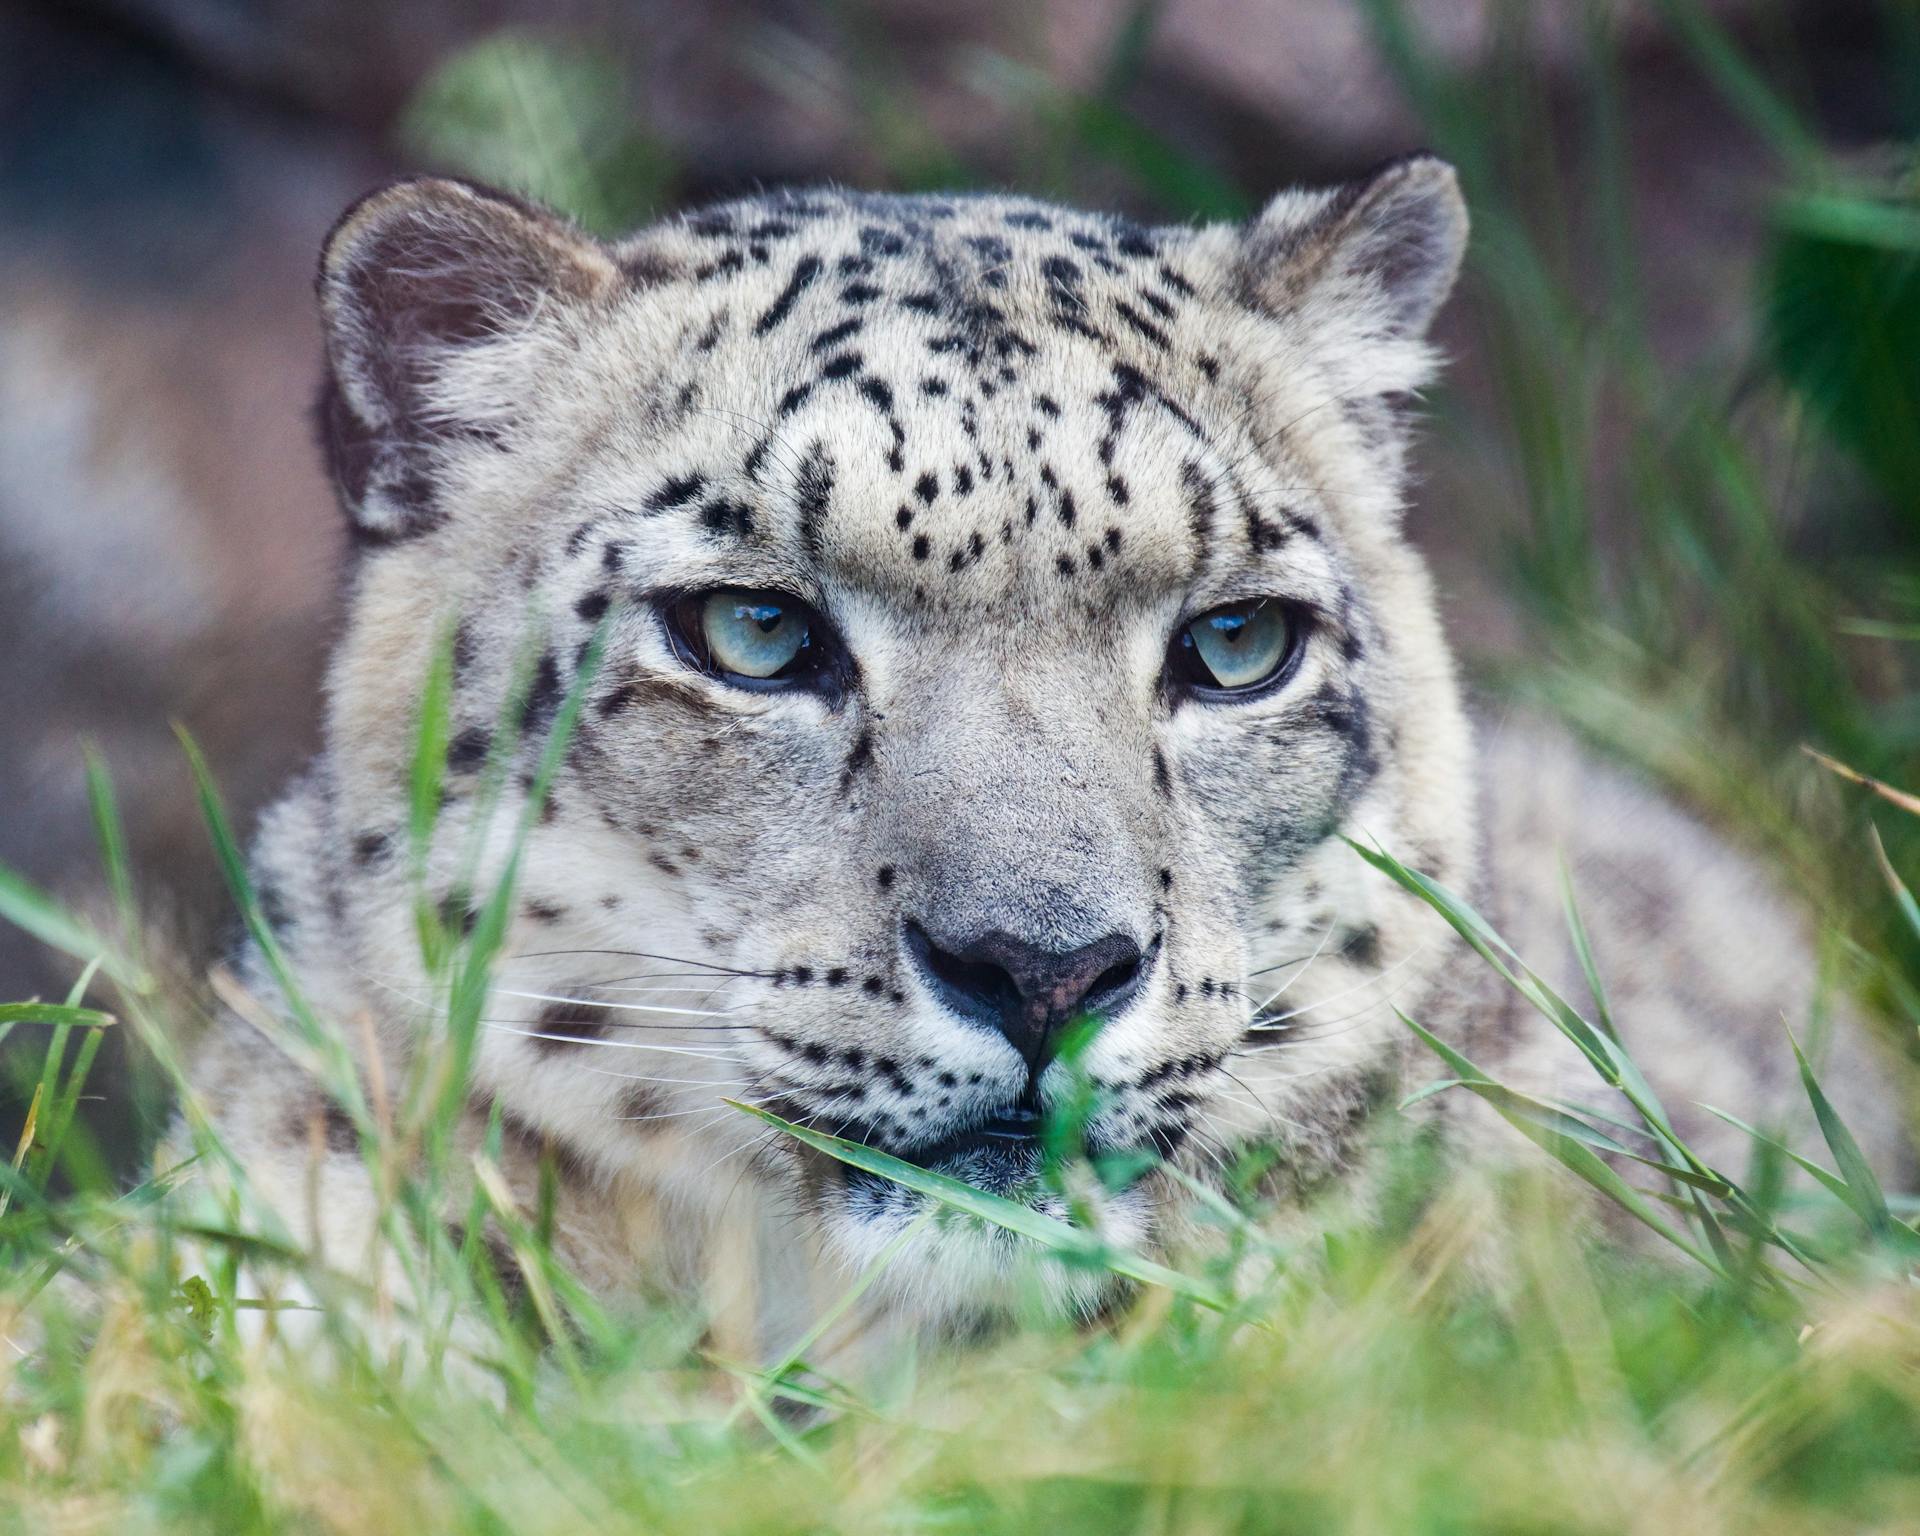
x=592, y=607
x=1141, y=324
x=927, y=487
x=1201, y=511
x=457, y=913
x=1162, y=775
x=465, y=648
x=813, y=493
x=676, y=492
x=370, y=848
x=545, y=911
x=1264, y=534
x=468, y=750
x=640, y=1102
x=569, y=1024
x=543, y=698
x=1361, y=945
x=336, y=1128
x=886, y=877
x=723, y=516
x=857, y=759
x=1158, y=305
x=805, y=271
x=833, y=335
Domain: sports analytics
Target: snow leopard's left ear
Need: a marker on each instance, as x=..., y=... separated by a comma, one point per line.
x=439, y=300
x=1382, y=251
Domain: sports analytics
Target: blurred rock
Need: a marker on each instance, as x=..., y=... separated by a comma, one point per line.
x=168, y=548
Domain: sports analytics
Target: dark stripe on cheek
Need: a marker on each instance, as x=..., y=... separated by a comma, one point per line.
x=565, y=1025
x=1162, y=775
x=857, y=759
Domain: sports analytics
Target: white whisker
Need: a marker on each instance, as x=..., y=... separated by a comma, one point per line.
x=1263, y=1020
x=621, y=1045
x=1332, y=923
x=587, y=1002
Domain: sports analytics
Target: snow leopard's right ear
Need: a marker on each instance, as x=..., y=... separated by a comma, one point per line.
x=413, y=279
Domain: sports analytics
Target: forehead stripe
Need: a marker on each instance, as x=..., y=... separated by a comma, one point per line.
x=804, y=272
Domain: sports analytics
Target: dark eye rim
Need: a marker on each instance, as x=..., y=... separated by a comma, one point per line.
x=1186, y=674
x=822, y=667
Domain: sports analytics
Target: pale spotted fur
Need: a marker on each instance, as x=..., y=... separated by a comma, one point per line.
x=1007, y=448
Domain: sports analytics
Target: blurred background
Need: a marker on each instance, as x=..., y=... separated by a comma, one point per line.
x=1671, y=485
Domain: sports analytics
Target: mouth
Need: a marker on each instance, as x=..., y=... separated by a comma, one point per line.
x=1011, y=1134
x=1000, y=1155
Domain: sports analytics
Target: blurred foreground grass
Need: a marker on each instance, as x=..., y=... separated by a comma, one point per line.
x=1467, y=1361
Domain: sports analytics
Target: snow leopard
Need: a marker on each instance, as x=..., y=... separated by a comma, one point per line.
x=980, y=631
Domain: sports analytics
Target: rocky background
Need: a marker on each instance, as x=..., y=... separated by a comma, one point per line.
x=168, y=550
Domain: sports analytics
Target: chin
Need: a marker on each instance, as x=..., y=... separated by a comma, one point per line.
x=957, y=1275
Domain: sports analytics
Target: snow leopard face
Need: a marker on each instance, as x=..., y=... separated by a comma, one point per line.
x=1003, y=622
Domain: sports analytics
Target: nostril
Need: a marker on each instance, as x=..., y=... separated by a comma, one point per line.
x=976, y=988
x=1113, y=978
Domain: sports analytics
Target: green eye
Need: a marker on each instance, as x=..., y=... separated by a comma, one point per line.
x=1236, y=648
x=754, y=634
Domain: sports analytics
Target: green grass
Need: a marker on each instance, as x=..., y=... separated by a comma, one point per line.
x=1463, y=1360
x=1466, y=1359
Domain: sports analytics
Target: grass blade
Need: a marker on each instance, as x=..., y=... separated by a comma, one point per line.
x=1074, y=1243
x=1863, y=1192
x=54, y=1013
x=1574, y=1155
